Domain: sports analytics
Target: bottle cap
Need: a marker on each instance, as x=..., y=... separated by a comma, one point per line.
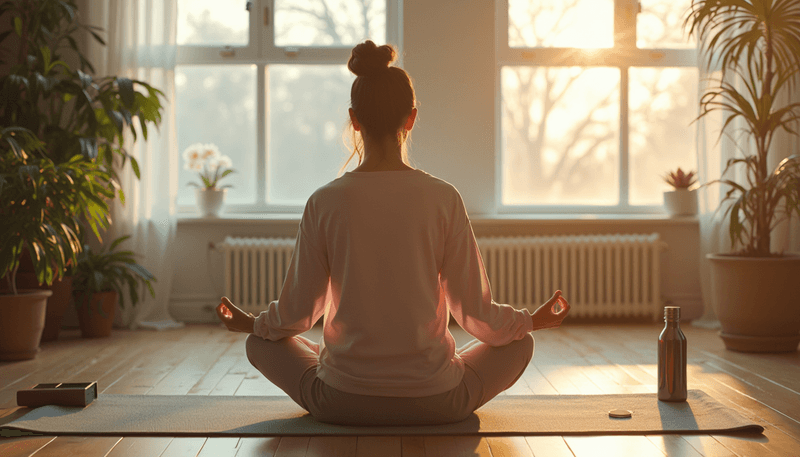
x=672, y=313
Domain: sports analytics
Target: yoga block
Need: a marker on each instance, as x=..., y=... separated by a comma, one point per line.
x=61, y=394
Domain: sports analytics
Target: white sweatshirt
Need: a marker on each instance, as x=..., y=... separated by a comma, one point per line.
x=385, y=257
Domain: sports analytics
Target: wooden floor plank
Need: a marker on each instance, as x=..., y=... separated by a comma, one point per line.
x=333, y=446
x=219, y=447
x=387, y=446
x=140, y=446
x=456, y=446
x=708, y=446
x=549, y=446
x=509, y=446
x=413, y=446
x=78, y=446
x=182, y=447
x=612, y=446
x=292, y=446
x=674, y=445
x=257, y=447
x=23, y=446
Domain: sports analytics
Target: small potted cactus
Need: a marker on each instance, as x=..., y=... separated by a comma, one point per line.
x=682, y=200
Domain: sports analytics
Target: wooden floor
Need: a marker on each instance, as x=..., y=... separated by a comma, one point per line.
x=576, y=359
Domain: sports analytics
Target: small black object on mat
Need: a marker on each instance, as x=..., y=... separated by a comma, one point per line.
x=194, y=415
x=58, y=393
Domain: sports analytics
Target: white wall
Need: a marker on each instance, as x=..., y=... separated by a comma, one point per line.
x=449, y=53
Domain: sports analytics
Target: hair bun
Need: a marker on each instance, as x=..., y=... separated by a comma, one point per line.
x=368, y=58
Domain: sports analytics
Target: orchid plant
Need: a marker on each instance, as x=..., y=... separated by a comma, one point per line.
x=209, y=163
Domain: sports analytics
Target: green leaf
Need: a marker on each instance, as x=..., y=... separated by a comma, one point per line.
x=18, y=26
x=118, y=241
x=126, y=92
x=97, y=37
x=135, y=166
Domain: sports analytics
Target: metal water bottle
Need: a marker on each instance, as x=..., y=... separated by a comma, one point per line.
x=672, y=357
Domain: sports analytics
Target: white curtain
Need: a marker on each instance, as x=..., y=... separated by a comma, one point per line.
x=141, y=44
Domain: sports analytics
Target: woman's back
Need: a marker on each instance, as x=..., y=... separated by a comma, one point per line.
x=384, y=234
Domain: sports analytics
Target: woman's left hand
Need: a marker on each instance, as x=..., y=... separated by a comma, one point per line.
x=234, y=318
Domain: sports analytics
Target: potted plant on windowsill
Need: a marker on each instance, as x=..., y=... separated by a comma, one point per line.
x=682, y=200
x=99, y=282
x=756, y=47
x=41, y=207
x=212, y=167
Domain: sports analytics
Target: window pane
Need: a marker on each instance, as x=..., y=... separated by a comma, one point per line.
x=660, y=24
x=217, y=104
x=307, y=115
x=560, y=136
x=556, y=23
x=663, y=103
x=213, y=22
x=329, y=22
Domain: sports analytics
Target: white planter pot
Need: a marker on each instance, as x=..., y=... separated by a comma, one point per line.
x=209, y=201
x=681, y=202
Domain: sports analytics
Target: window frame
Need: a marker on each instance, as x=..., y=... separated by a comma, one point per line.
x=625, y=24
x=262, y=52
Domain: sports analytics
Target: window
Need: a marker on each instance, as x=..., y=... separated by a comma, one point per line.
x=266, y=82
x=596, y=98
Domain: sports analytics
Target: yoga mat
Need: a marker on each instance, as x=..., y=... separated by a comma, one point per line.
x=193, y=415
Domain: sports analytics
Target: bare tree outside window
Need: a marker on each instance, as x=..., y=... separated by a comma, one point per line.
x=561, y=125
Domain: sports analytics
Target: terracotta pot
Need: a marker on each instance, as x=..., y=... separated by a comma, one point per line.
x=93, y=322
x=757, y=302
x=57, y=304
x=21, y=323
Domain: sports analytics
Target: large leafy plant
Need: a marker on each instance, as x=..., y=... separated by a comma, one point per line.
x=755, y=45
x=75, y=123
x=71, y=111
x=44, y=205
x=110, y=269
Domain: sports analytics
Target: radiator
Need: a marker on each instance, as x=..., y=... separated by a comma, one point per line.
x=600, y=275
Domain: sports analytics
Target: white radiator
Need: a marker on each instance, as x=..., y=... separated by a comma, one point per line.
x=254, y=269
x=600, y=275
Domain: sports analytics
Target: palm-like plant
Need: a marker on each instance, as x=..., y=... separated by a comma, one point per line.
x=755, y=44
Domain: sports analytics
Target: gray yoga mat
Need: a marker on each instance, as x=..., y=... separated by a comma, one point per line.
x=172, y=415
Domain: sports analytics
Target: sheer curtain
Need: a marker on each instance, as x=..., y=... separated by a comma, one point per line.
x=140, y=44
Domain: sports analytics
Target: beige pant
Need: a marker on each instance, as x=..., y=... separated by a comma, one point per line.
x=291, y=364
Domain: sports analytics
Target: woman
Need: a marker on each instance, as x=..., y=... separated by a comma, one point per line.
x=384, y=255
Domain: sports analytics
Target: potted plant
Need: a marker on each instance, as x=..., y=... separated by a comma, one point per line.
x=681, y=201
x=43, y=206
x=755, y=45
x=99, y=282
x=67, y=109
x=212, y=167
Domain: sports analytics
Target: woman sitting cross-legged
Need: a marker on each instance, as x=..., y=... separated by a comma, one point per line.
x=384, y=254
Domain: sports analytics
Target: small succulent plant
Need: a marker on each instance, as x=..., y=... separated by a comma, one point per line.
x=680, y=180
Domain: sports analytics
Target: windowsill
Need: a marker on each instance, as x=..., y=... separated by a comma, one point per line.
x=477, y=219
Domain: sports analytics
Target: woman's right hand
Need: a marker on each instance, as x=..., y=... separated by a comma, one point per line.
x=551, y=313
